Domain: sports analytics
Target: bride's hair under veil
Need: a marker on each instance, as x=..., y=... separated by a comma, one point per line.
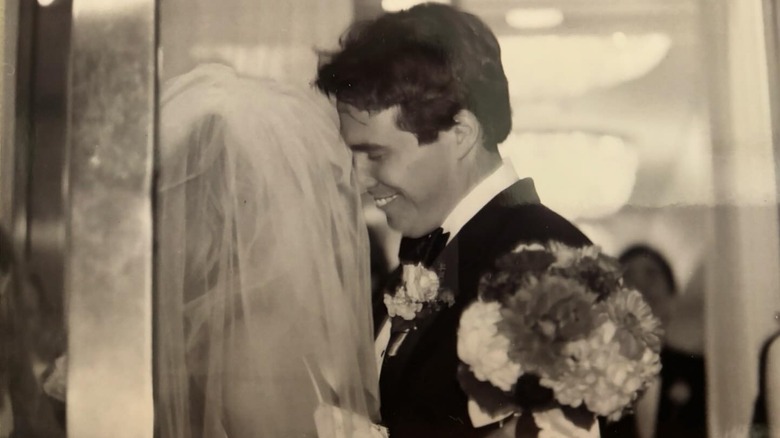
x=262, y=261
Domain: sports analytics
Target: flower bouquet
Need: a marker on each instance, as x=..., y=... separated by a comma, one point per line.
x=555, y=329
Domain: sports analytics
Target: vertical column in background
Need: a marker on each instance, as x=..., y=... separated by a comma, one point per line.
x=743, y=277
x=109, y=261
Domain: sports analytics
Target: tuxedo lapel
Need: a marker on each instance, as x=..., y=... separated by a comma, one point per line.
x=520, y=193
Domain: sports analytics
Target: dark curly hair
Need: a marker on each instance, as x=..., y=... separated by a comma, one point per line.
x=432, y=61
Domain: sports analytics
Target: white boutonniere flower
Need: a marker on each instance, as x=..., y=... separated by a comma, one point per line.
x=419, y=290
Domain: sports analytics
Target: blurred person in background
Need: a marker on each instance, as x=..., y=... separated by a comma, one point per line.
x=676, y=405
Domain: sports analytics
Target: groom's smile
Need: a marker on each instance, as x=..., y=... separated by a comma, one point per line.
x=411, y=183
x=382, y=202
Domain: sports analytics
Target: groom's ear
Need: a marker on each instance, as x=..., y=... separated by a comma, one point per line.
x=467, y=132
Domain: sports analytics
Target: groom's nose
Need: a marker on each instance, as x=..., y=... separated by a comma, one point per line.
x=364, y=171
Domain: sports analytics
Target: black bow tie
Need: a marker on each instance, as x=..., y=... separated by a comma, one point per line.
x=423, y=249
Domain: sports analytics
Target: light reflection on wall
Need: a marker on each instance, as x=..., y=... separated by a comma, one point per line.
x=262, y=38
x=557, y=66
x=578, y=174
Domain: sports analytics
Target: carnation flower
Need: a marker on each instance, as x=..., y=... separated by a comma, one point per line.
x=637, y=327
x=598, y=272
x=539, y=319
x=419, y=284
x=600, y=376
x=418, y=287
x=401, y=305
x=602, y=275
x=483, y=348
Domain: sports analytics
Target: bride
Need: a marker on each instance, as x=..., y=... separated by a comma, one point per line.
x=263, y=291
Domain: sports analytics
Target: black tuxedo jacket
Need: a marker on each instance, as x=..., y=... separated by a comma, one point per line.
x=420, y=393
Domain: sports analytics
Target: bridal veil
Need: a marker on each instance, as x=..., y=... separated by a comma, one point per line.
x=262, y=262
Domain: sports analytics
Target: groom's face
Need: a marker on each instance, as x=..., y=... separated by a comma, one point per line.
x=408, y=181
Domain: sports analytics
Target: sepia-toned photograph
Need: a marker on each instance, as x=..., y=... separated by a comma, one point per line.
x=390, y=219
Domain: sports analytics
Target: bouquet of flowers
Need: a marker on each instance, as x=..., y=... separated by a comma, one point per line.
x=555, y=328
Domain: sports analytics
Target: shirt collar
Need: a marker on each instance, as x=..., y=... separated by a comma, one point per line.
x=495, y=183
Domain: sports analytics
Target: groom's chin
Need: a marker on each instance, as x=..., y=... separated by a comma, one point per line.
x=398, y=226
x=406, y=231
x=395, y=226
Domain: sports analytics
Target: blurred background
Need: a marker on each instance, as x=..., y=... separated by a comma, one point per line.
x=649, y=123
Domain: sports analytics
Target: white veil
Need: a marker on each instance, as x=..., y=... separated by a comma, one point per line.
x=262, y=261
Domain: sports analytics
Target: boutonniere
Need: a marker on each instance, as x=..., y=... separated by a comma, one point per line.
x=417, y=294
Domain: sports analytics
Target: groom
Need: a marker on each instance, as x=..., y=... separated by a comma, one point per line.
x=423, y=102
